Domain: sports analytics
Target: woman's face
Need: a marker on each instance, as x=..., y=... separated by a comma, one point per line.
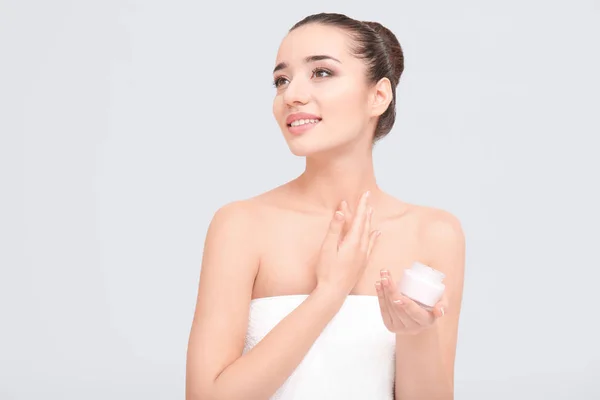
x=322, y=96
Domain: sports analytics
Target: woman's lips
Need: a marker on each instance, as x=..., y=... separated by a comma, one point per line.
x=298, y=116
x=304, y=126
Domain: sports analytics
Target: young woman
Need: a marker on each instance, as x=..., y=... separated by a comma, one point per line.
x=297, y=296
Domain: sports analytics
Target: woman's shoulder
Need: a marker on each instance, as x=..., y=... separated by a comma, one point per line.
x=429, y=222
x=249, y=210
x=438, y=235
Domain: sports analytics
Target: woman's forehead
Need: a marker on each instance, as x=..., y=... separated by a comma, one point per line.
x=314, y=39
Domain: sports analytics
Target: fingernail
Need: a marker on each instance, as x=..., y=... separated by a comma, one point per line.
x=377, y=233
x=339, y=215
x=378, y=285
x=398, y=301
x=384, y=281
x=442, y=311
x=368, y=193
x=344, y=204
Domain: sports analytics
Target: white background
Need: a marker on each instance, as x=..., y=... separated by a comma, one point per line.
x=125, y=125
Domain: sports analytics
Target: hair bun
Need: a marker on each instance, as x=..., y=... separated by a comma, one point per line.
x=394, y=50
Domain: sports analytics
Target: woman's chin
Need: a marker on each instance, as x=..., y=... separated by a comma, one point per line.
x=307, y=149
x=301, y=151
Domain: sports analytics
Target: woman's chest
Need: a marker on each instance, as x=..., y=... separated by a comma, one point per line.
x=290, y=255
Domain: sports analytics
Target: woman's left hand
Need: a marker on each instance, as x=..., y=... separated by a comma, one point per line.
x=400, y=314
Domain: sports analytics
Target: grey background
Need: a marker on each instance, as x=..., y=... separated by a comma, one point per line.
x=125, y=125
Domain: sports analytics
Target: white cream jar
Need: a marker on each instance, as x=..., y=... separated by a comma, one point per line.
x=423, y=285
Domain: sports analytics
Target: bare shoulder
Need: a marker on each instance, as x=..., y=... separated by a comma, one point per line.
x=233, y=228
x=438, y=231
x=235, y=214
x=239, y=215
x=270, y=204
x=241, y=220
x=439, y=226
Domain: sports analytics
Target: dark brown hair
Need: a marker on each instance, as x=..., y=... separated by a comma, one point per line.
x=378, y=47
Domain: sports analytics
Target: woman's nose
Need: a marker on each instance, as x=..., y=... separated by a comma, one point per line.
x=297, y=92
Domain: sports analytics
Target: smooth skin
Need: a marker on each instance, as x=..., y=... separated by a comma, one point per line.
x=320, y=234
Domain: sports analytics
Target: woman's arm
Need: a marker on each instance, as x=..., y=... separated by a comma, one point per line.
x=425, y=361
x=215, y=367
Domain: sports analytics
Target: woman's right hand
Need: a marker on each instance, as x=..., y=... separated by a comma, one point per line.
x=342, y=260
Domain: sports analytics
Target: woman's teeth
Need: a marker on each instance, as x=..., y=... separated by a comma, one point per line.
x=304, y=121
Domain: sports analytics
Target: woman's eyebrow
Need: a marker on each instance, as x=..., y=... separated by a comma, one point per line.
x=309, y=59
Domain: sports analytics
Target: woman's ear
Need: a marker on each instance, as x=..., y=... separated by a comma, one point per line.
x=381, y=97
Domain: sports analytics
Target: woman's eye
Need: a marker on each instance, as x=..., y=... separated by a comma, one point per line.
x=316, y=73
x=279, y=81
x=321, y=73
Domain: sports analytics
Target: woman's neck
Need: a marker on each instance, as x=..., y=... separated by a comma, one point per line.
x=327, y=181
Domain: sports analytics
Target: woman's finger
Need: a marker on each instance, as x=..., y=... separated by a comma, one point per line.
x=359, y=221
x=385, y=315
x=387, y=274
x=407, y=321
x=414, y=311
x=366, y=231
x=396, y=322
x=398, y=312
x=439, y=311
x=441, y=307
x=389, y=292
x=372, y=240
x=349, y=217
